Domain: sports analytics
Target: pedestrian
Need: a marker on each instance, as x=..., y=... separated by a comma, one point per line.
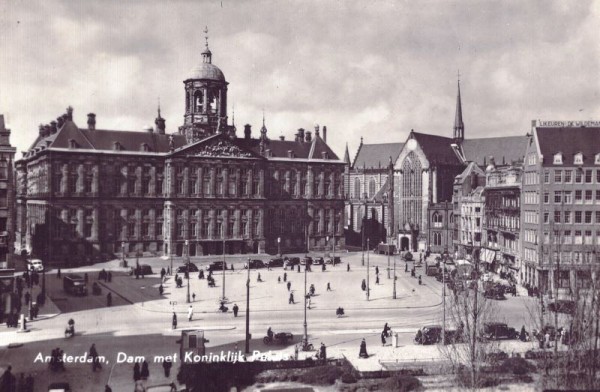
x=145, y=373
x=285, y=276
x=109, y=276
x=136, y=372
x=419, y=280
x=109, y=299
x=291, y=301
x=161, y=289
x=94, y=356
x=383, y=338
x=405, y=267
x=289, y=284
x=328, y=286
x=167, y=366
x=376, y=279
x=58, y=274
x=323, y=353
x=363, y=285
x=232, y=266
x=309, y=301
x=107, y=388
x=163, y=272
x=363, y=349
x=193, y=297
x=296, y=352
x=376, y=270
x=547, y=340
x=279, y=279
x=169, y=271
x=8, y=382
x=27, y=298
x=323, y=267
x=29, y=382
x=85, y=277
x=174, y=323
x=298, y=268
x=348, y=267
x=190, y=313
x=235, y=310
x=259, y=279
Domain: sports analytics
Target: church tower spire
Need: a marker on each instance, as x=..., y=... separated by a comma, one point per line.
x=347, y=156
x=459, y=126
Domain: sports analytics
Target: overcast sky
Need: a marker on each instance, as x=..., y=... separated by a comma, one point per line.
x=375, y=69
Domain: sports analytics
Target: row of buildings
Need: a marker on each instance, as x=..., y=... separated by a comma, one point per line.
x=523, y=204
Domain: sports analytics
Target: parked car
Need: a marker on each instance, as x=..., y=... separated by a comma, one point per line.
x=494, y=292
x=318, y=261
x=182, y=268
x=35, y=265
x=216, y=266
x=429, y=334
x=306, y=260
x=431, y=270
x=407, y=256
x=292, y=261
x=496, y=331
x=255, y=264
x=333, y=260
x=276, y=262
x=145, y=269
x=59, y=387
x=562, y=306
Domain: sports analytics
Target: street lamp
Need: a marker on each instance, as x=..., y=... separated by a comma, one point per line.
x=388, y=252
x=187, y=256
x=305, y=338
x=223, y=298
x=444, y=257
x=394, y=296
x=362, y=243
x=368, y=289
x=123, y=252
x=248, y=310
x=326, y=244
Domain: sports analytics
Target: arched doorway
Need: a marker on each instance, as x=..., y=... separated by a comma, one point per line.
x=404, y=244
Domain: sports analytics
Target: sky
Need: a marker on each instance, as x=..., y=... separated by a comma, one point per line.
x=371, y=69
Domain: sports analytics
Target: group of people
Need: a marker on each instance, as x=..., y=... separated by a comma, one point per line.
x=105, y=276
x=9, y=383
x=56, y=360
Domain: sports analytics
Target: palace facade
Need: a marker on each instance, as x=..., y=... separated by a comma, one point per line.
x=85, y=194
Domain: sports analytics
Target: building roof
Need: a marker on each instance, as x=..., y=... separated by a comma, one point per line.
x=301, y=150
x=569, y=141
x=504, y=149
x=206, y=71
x=376, y=155
x=437, y=149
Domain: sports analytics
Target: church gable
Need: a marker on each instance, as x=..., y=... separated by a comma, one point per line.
x=216, y=146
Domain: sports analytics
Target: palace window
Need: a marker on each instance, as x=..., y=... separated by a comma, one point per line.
x=558, y=159
x=558, y=176
x=578, y=159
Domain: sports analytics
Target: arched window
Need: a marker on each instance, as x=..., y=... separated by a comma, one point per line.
x=371, y=187
x=437, y=219
x=356, y=192
x=412, y=189
x=212, y=101
x=199, y=101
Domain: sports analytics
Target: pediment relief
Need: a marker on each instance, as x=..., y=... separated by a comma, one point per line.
x=218, y=148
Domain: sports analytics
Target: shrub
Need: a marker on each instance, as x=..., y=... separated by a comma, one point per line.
x=402, y=383
x=517, y=366
x=321, y=375
x=348, y=378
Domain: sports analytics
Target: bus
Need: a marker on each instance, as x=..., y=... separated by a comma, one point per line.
x=74, y=284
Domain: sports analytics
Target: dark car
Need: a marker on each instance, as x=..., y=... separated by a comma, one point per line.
x=254, y=264
x=562, y=306
x=216, y=266
x=182, y=268
x=292, y=261
x=276, y=262
x=429, y=334
x=333, y=260
x=496, y=331
x=307, y=260
x=318, y=261
x=494, y=292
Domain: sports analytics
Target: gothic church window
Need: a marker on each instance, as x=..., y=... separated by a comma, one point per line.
x=371, y=187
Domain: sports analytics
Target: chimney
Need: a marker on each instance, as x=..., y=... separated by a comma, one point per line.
x=301, y=134
x=60, y=121
x=281, y=137
x=247, y=131
x=70, y=113
x=308, y=137
x=42, y=130
x=324, y=155
x=53, y=128
x=290, y=154
x=47, y=130
x=325, y=134
x=316, y=130
x=91, y=121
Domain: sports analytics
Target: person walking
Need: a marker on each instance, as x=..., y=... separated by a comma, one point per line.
x=328, y=286
x=58, y=274
x=109, y=276
x=85, y=278
x=323, y=353
x=285, y=276
x=235, y=310
x=376, y=279
x=291, y=301
x=363, y=285
x=289, y=285
x=193, y=297
x=161, y=289
x=363, y=349
x=348, y=267
x=167, y=367
x=136, y=372
x=174, y=322
x=145, y=373
x=190, y=313
x=308, y=300
x=94, y=356
x=376, y=270
x=382, y=338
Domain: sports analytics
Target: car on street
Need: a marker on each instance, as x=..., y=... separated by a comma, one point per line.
x=216, y=266
x=333, y=260
x=306, y=260
x=276, y=262
x=562, y=306
x=291, y=261
x=494, y=292
x=255, y=264
x=318, y=261
x=35, y=265
x=429, y=334
x=183, y=268
x=497, y=331
x=407, y=256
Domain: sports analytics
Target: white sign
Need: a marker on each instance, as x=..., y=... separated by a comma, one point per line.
x=567, y=124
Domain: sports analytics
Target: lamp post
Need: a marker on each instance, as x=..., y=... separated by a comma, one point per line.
x=394, y=295
x=248, y=310
x=388, y=252
x=187, y=256
x=362, y=243
x=305, y=338
x=123, y=253
x=444, y=257
x=223, y=298
x=333, y=251
x=326, y=245
x=368, y=289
